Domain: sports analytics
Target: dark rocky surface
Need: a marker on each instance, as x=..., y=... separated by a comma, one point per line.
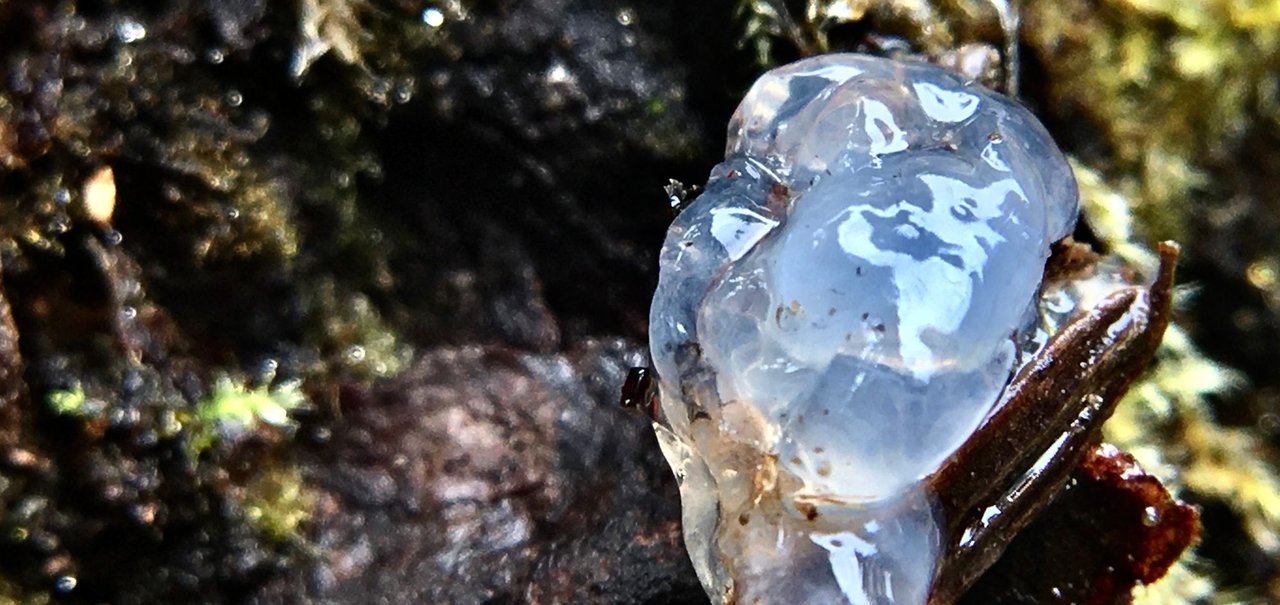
x=486, y=475
x=1113, y=527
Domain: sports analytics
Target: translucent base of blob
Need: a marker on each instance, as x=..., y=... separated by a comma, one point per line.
x=700, y=512
x=754, y=547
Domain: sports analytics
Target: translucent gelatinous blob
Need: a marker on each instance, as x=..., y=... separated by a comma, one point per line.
x=837, y=313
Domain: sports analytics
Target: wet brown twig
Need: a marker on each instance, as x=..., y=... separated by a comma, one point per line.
x=1050, y=417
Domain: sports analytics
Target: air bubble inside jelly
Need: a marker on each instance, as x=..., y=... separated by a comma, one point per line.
x=838, y=312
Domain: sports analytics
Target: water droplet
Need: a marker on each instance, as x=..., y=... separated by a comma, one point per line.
x=1262, y=274
x=433, y=17
x=404, y=91
x=1150, y=516
x=378, y=90
x=558, y=74
x=130, y=31
x=1269, y=423
x=171, y=192
x=65, y=584
x=59, y=224
x=267, y=369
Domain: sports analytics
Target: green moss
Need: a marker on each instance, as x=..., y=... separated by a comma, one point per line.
x=934, y=28
x=370, y=40
x=273, y=500
x=232, y=407
x=206, y=185
x=1172, y=89
x=76, y=403
x=278, y=502
x=68, y=403
x=354, y=335
x=233, y=403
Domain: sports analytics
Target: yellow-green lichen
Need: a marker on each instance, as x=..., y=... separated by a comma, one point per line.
x=1165, y=111
x=1106, y=210
x=1166, y=424
x=12, y=594
x=1165, y=421
x=1188, y=581
x=1171, y=85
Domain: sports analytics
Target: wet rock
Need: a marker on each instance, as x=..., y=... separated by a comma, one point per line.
x=485, y=475
x=13, y=390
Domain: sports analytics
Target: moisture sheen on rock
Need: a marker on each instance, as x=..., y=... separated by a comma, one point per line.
x=837, y=313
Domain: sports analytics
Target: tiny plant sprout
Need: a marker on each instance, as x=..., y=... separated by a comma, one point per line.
x=840, y=321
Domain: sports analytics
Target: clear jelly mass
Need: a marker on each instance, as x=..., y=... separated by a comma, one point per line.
x=835, y=315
